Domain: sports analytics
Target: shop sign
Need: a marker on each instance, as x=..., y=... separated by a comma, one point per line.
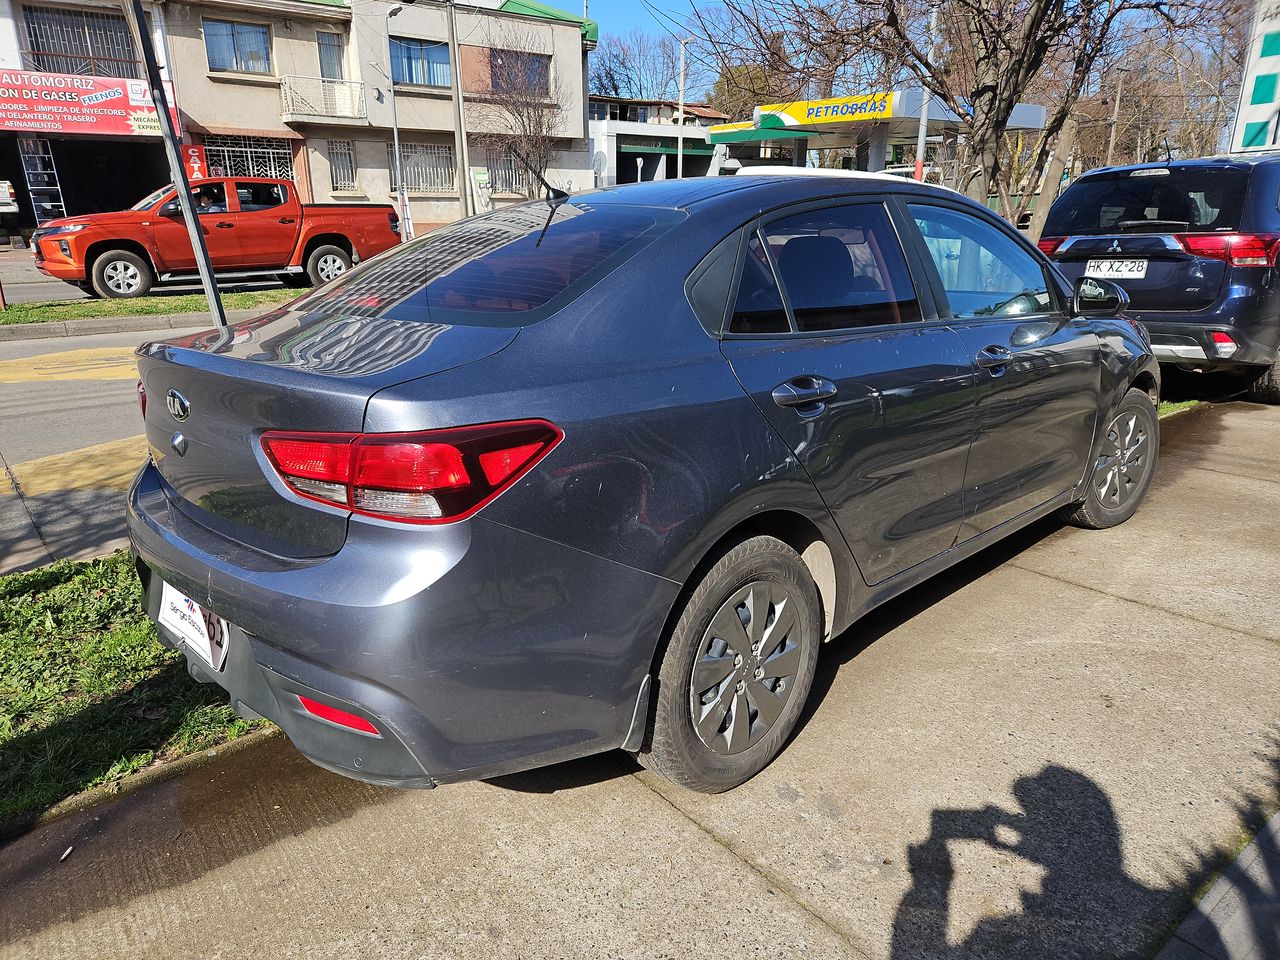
x=193, y=159
x=805, y=113
x=33, y=102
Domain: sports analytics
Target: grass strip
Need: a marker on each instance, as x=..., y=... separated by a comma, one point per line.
x=138, y=307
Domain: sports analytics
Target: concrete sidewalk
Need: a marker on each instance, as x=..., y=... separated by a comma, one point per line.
x=1042, y=754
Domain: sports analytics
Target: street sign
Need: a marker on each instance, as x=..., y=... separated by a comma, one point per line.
x=1256, y=126
x=193, y=159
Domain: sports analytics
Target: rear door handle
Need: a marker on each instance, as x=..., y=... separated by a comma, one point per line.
x=224, y=225
x=804, y=391
x=994, y=358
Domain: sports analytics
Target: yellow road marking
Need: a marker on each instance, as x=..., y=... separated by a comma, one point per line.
x=104, y=466
x=92, y=363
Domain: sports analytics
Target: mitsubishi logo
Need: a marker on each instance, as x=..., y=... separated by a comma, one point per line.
x=1115, y=247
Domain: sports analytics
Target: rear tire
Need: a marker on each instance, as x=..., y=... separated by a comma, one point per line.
x=1123, y=471
x=750, y=631
x=121, y=275
x=1266, y=388
x=327, y=263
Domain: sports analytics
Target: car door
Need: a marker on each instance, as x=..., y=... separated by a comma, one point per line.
x=267, y=224
x=173, y=244
x=829, y=336
x=1038, y=366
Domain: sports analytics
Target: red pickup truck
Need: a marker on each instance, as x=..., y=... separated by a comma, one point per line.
x=253, y=227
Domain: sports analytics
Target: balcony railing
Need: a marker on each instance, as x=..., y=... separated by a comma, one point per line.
x=318, y=97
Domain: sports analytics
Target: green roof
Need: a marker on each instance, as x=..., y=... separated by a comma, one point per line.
x=756, y=133
x=532, y=8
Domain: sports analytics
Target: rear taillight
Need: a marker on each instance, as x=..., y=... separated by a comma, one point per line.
x=142, y=399
x=1237, y=249
x=1224, y=344
x=437, y=476
x=1048, y=245
x=13, y=194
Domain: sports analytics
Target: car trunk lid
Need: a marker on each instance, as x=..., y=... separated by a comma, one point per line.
x=210, y=396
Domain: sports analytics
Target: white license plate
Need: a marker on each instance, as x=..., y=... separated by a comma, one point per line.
x=201, y=631
x=1116, y=269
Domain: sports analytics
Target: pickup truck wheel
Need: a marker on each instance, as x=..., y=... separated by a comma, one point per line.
x=1266, y=388
x=737, y=668
x=1124, y=468
x=119, y=274
x=327, y=263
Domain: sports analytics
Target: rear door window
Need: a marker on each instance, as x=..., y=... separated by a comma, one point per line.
x=758, y=306
x=842, y=268
x=499, y=269
x=984, y=271
x=1151, y=200
x=259, y=196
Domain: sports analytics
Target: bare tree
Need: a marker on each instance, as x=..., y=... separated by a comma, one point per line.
x=640, y=66
x=518, y=103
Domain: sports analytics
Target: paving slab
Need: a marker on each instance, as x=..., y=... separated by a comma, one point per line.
x=1239, y=918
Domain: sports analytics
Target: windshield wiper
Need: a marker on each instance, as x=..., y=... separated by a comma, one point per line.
x=554, y=198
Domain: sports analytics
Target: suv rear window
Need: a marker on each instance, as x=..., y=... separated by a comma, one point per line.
x=1151, y=200
x=492, y=270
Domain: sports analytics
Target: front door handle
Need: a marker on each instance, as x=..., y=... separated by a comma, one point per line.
x=224, y=225
x=286, y=220
x=994, y=358
x=804, y=391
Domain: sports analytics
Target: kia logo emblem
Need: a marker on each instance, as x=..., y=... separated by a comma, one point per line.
x=179, y=407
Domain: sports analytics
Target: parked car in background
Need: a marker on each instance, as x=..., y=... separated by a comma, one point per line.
x=8, y=197
x=253, y=227
x=560, y=479
x=1194, y=244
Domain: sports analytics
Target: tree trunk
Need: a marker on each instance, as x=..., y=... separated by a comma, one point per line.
x=1052, y=178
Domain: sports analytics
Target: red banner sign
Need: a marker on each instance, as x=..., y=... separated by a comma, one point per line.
x=194, y=160
x=62, y=103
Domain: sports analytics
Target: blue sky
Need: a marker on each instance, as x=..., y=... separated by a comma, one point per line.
x=617, y=16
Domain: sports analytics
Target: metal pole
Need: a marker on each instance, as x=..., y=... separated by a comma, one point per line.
x=680, y=118
x=172, y=145
x=402, y=198
x=1115, y=114
x=461, y=153
x=926, y=96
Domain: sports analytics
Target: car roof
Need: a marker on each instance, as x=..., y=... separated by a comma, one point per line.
x=1240, y=161
x=695, y=191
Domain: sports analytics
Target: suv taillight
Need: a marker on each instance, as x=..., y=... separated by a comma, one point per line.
x=1048, y=245
x=1237, y=249
x=436, y=476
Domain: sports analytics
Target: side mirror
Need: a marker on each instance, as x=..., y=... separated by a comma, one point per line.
x=171, y=209
x=1099, y=298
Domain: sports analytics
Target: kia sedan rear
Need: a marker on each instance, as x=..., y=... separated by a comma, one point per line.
x=562, y=479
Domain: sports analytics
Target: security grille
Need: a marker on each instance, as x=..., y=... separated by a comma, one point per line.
x=249, y=156
x=506, y=173
x=428, y=167
x=89, y=42
x=342, y=164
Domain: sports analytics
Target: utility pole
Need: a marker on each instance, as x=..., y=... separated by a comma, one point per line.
x=402, y=196
x=1115, y=113
x=925, y=96
x=680, y=117
x=461, y=152
x=172, y=147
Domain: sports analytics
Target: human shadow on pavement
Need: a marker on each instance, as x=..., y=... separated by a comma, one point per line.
x=1087, y=908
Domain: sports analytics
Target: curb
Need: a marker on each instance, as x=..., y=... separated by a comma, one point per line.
x=91, y=325
x=157, y=773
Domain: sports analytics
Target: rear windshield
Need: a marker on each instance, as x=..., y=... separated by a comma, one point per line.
x=498, y=269
x=1153, y=200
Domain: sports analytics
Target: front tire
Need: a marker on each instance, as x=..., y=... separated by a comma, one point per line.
x=327, y=263
x=737, y=668
x=121, y=275
x=1125, y=466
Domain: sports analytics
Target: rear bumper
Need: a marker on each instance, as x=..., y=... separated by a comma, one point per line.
x=474, y=649
x=1186, y=339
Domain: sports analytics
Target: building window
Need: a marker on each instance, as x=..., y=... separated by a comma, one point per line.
x=248, y=157
x=237, y=47
x=330, y=49
x=506, y=173
x=91, y=42
x=428, y=167
x=597, y=110
x=515, y=71
x=421, y=62
x=342, y=164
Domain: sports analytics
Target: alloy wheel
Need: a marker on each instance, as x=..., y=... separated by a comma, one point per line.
x=1120, y=468
x=122, y=276
x=330, y=266
x=746, y=667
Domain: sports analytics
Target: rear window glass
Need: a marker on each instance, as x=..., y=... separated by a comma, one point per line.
x=1189, y=198
x=492, y=270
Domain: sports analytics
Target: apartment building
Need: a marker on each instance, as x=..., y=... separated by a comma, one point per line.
x=299, y=89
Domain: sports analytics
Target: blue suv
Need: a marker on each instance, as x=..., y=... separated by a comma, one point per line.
x=1194, y=244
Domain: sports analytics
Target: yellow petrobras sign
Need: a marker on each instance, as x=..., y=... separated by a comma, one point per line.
x=835, y=110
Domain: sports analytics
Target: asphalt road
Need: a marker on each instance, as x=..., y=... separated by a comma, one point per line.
x=1041, y=754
